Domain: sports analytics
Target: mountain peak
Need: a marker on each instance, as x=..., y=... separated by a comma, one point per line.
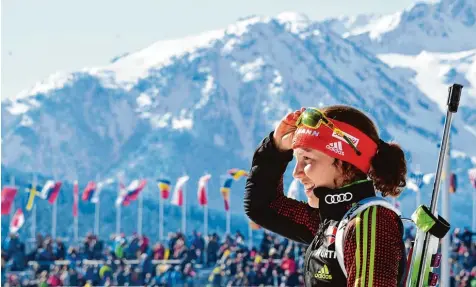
x=136, y=65
x=444, y=26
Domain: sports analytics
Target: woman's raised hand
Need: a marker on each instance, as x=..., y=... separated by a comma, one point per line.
x=284, y=132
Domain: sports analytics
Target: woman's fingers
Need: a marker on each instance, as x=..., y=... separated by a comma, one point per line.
x=285, y=130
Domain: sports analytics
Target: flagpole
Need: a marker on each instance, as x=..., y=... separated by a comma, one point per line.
x=445, y=213
x=205, y=219
x=120, y=180
x=33, y=217
x=12, y=208
x=118, y=219
x=12, y=183
x=139, y=215
x=76, y=229
x=161, y=217
x=96, y=218
x=97, y=205
x=228, y=216
x=418, y=193
x=53, y=224
x=75, y=206
x=184, y=210
x=118, y=207
x=54, y=214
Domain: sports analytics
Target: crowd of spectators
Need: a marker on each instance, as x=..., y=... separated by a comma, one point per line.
x=462, y=256
x=181, y=260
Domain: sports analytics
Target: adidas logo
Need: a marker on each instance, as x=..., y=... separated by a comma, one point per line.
x=323, y=274
x=336, y=147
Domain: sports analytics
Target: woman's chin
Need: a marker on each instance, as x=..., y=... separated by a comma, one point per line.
x=313, y=202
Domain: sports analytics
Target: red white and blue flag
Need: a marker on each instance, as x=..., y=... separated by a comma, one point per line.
x=89, y=192
x=131, y=193
x=50, y=191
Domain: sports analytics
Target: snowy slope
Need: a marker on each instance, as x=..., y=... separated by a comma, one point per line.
x=204, y=103
x=444, y=26
x=434, y=72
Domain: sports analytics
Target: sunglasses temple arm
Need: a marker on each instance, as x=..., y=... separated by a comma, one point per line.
x=352, y=145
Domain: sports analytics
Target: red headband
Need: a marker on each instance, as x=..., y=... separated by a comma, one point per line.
x=327, y=141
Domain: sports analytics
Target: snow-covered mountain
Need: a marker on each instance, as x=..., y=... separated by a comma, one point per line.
x=433, y=72
x=444, y=26
x=203, y=103
x=431, y=44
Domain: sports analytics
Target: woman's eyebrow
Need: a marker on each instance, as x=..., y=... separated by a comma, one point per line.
x=304, y=150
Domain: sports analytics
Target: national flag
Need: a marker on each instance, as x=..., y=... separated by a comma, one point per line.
x=202, y=189
x=95, y=198
x=177, y=198
x=472, y=177
x=225, y=191
x=133, y=191
x=89, y=191
x=237, y=173
x=32, y=190
x=164, y=188
x=428, y=177
x=75, y=198
x=415, y=182
x=8, y=196
x=122, y=194
x=293, y=191
x=17, y=222
x=50, y=191
x=453, y=183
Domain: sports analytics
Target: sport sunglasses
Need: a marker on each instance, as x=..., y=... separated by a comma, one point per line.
x=312, y=118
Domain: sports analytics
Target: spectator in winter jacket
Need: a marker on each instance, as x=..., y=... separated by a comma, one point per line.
x=158, y=252
x=60, y=253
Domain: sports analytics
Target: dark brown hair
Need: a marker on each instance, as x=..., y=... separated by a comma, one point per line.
x=388, y=167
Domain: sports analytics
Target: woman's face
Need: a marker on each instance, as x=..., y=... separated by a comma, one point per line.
x=316, y=169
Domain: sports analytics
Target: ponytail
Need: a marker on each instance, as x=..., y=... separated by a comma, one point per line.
x=389, y=169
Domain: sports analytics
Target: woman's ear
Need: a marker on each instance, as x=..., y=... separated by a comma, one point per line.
x=339, y=178
x=338, y=165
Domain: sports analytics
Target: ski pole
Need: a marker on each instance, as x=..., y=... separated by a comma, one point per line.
x=454, y=94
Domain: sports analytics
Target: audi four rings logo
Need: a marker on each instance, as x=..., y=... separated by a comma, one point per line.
x=338, y=198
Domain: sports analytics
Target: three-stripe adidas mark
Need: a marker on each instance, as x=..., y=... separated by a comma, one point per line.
x=323, y=273
x=336, y=147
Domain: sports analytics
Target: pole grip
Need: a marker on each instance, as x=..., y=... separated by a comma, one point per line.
x=454, y=95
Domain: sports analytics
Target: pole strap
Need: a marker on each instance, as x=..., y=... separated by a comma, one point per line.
x=427, y=222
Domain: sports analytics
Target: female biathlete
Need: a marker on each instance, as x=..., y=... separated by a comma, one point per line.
x=342, y=162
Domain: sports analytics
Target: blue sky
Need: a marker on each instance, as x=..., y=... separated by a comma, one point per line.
x=40, y=38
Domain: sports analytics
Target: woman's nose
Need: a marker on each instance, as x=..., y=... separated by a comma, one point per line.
x=298, y=171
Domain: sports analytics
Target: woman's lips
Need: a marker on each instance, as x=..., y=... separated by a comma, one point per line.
x=309, y=189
